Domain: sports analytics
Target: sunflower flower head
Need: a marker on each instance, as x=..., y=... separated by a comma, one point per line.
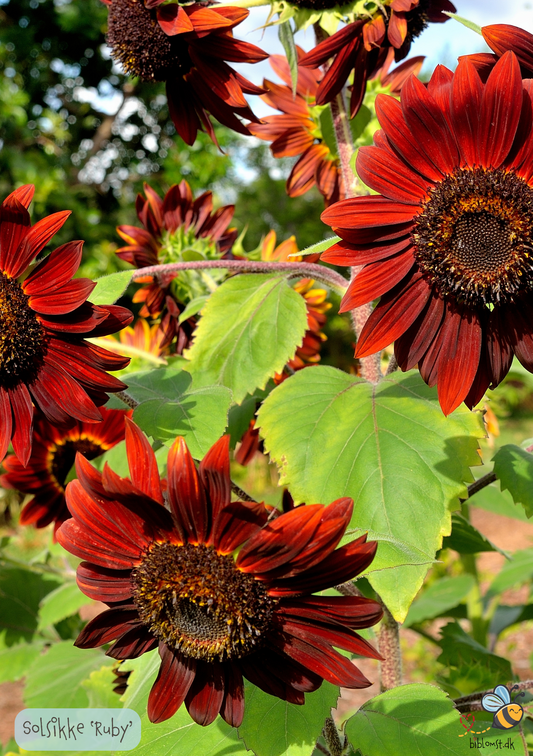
x=298, y=131
x=54, y=450
x=447, y=242
x=176, y=228
x=44, y=317
x=187, y=47
x=219, y=588
x=363, y=45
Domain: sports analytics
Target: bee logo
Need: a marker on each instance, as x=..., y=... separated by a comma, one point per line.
x=507, y=713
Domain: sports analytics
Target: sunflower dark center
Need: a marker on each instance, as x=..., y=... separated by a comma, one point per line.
x=22, y=337
x=141, y=46
x=63, y=456
x=197, y=601
x=474, y=236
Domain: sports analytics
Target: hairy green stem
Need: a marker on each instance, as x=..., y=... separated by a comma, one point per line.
x=473, y=697
x=389, y=648
x=332, y=738
x=320, y=273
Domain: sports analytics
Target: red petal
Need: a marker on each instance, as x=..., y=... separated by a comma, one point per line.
x=14, y=225
x=186, y=494
x=383, y=172
x=428, y=126
x=503, y=37
x=330, y=665
x=64, y=299
x=236, y=523
x=459, y=357
x=215, y=478
x=394, y=314
x=499, y=352
x=64, y=391
x=414, y=343
x=5, y=422
x=175, y=677
x=275, y=544
x=367, y=212
x=376, y=279
x=181, y=108
x=206, y=694
x=142, y=462
x=107, y=626
x=345, y=253
x=132, y=644
x=232, y=709
x=55, y=270
x=330, y=46
x=500, y=111
x=351, y=611
x=103, y=584
x=466, y=104
x=37, y=237
x=173, y=20
x=24, y=195
x=325, y=636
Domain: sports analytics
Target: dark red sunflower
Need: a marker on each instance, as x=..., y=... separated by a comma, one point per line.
x=53, y=454
x=298, y=132
x=44, y=317
x=173, y=224
x=187, y=47
x=502, y=38
x=363, y=46
x=447, y=243
x=173, y=580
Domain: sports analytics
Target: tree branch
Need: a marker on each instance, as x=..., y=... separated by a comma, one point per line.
x=475, y=698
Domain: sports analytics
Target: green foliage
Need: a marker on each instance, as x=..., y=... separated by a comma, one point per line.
x=56, y=677
x=513, y=467
x=441, y=596
x=471, y=666
x=249, y=330
x=285, y=728
x=286, y=37
x=515, y=572
x=110, y=288
x=21, y=592
x=410, y=719
x=172, y=405
x=466, y=539
x=388, y=447
x=62, y=602
x=179, y=734
x=16, y=660
x=99, y=688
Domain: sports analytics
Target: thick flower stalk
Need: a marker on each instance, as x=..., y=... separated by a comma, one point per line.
x=173, y=225
x=54, y=450
x=187, y=47
x=44, y=317
x=447, y=242
x=362, y=47
x=219, y=588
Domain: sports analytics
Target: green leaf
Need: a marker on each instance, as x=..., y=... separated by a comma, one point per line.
x=99, y=687
x=492, y=499
x=194, y=306
x=466, y=539
x=55, y=679
x=360, y=122
x=505, y=616
x=513, y=467
x=110, y=288
x=389, y=447
x=20, y=594
x=286, y=37
x=472, y=666
x=411, y=719
x=439, y=597
x=515, y=572
x=16, y=660
x=171, y=405
x=327, y=130
x=322, y=246
x=249, y=330
x=272, y=727
x=60, y=603
x=464, y=22
x=179, y=734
